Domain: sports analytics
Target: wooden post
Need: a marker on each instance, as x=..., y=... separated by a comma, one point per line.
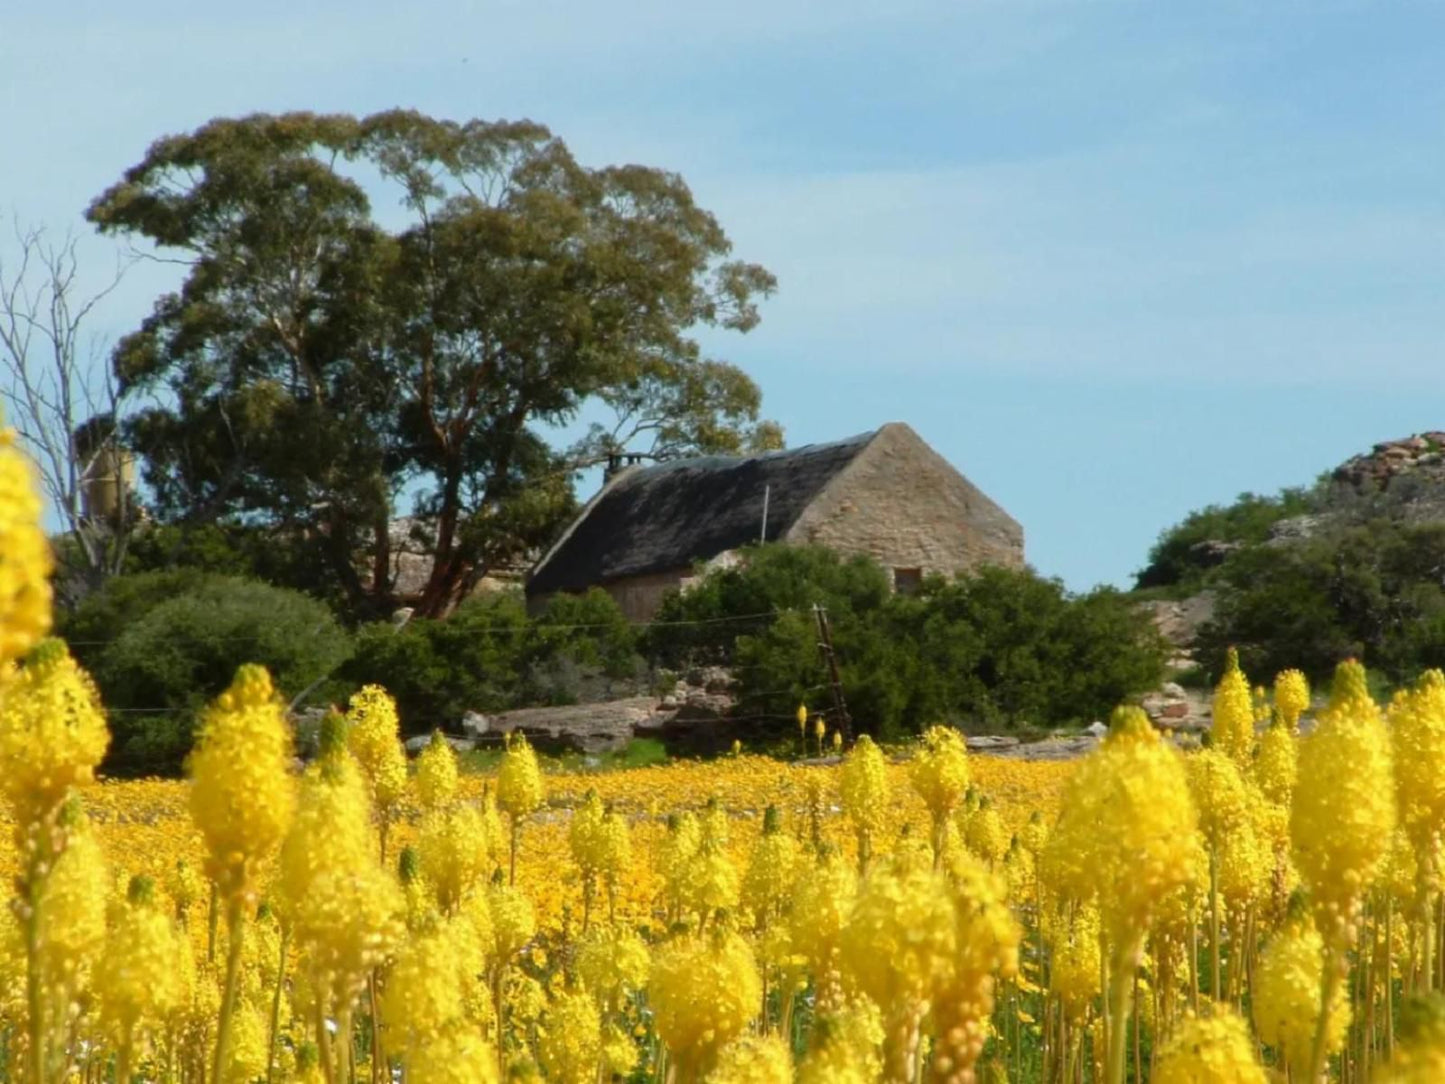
x=825, y=646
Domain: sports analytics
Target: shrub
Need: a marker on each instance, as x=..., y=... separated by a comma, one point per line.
x=995, y=648
x=167, y=658
x=1372, y=592
x=489, y=656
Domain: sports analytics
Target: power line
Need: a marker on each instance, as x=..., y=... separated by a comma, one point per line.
x=518, y=629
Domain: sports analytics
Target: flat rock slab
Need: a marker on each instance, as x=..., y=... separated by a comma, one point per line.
x=587, y=728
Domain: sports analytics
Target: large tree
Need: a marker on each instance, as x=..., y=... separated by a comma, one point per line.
x=324, y=361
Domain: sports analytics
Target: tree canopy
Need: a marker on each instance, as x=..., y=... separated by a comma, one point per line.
x=327, y=358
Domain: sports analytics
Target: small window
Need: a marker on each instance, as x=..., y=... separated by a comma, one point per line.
x=907, y=581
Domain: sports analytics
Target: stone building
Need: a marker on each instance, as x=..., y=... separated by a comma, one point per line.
x=885, y=494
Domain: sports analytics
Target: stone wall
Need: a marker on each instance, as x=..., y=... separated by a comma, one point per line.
x=638, y=597
x=904, y=505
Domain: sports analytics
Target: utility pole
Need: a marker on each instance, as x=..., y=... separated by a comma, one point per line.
x=825, y=648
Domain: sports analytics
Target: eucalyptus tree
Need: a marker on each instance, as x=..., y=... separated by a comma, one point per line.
x=396, y=307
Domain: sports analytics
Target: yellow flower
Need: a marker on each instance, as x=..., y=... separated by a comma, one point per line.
x=138, y=977
x=519, y=780
x=345, y=910
x=612, y=962
x=457, y=1056
x=1276, y=764
x=1287, y=995
x=373, y=740
x=1233, y=727
x=1343, y=815
x=987, y=938
x=753, y=1059
x=768, y=884
x=25, y=572
x=72, y=907
x=1291, y=697
x=704, y=989
x=422, y=996
x=1417, y=719
x=454, y=852
x=1210, y=1050
x=940, y=771
x=242, y=796
x=52, y=731
x=863, y=785
x=436, y=774
x=572, y=1047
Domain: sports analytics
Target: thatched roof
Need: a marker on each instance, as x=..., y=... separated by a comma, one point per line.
x=673, y=515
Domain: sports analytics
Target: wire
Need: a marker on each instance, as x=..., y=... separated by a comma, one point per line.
x=518, y=629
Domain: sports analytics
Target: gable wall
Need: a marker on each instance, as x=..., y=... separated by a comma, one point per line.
x=903, y=504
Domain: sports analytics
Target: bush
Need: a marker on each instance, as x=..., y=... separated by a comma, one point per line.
x=1180, y=560
x=489, y=656
x=1372, y=592
x=996, y=648
x=158, y=660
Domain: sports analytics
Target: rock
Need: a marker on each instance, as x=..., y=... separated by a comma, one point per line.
x=1096, y=729
x=669, y=702
x=421, y=741
x=1172, y=690
x=475, y=724
x=1176, y=710
x=583, y=728
x=988, y=743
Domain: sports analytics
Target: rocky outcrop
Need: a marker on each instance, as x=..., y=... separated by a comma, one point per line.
x=1418, y=454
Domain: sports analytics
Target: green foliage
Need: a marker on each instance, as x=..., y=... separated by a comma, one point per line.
x=160, y=645
x=1373, y=592
x=1181, y=557
x=489, y=656
x=319, y=359
x=996, y=648
x=700, y=626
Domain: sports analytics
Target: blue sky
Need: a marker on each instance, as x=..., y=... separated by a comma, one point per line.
x=1114, y=260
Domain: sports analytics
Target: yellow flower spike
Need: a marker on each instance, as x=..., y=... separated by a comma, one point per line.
x=940, y=776
x=1233, y=727
x=898, y=946
x=436, y=774
x=1214, y=1049
x=1417, y=731
x=1343, y=814
x=25, y=594
x=705, y=990
x=453, y=849
x=242, y=799
x=987, y=939
x=1286, y=991
x=753, y=1059
x=572, y=1049
x=1276, y=764
x=242, y=793
x=1291, y=697
x=767, y=887
x=345, y=911
x=863, y=786
x=519, y=789
x=374, y=740
x=52, y=732
x=138, y=978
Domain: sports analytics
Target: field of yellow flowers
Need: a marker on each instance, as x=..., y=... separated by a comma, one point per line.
x=1266, y=908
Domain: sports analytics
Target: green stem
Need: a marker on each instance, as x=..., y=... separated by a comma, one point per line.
x=276, y=1005
x=236, y=930
x=34, y=882
x=1329, y=983
x=1120, y=987
x=1214, y=946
